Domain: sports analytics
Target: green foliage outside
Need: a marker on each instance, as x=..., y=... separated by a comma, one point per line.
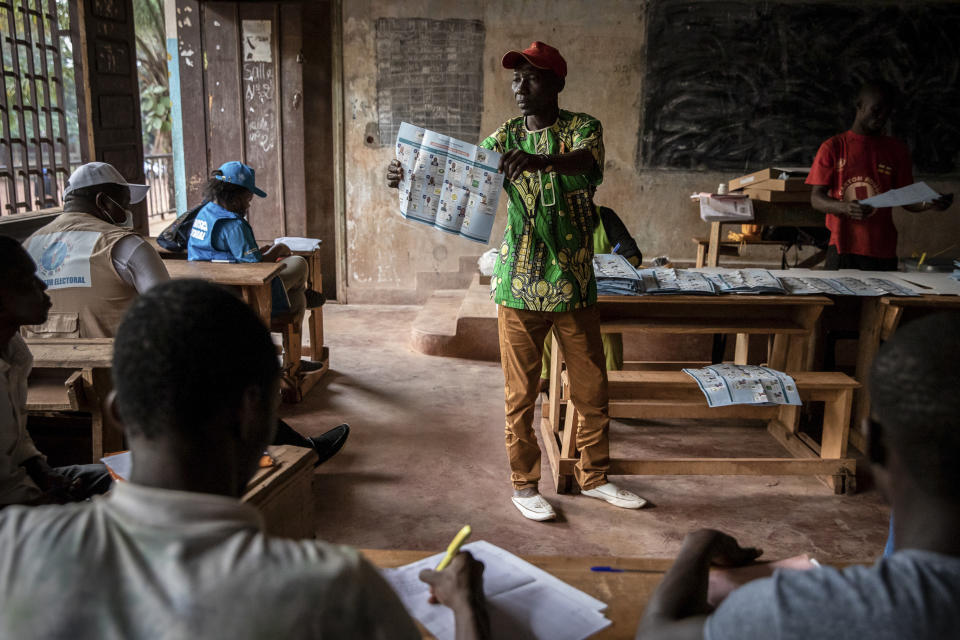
x=152, y=74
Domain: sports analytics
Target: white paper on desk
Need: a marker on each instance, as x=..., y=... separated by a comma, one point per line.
x=524, y=601
x=299, y=244
x=725, y=208
x=120, y=463
x=911, y=194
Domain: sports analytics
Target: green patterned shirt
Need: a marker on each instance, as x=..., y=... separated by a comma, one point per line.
x=546, y=259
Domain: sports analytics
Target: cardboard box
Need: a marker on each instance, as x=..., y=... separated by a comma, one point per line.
x=771, y=173
x=767, y=195
x=790, y=184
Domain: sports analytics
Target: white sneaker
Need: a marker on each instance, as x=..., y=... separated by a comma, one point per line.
x=534, y=507
x=616, y=496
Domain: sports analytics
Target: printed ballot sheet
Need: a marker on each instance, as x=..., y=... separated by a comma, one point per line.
x=524, y=601
x=726, y=384
x=448, y=184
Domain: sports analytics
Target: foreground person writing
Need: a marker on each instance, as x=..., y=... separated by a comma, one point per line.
x=174, y=553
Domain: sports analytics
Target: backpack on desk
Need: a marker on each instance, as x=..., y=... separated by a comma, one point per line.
x=175, y=237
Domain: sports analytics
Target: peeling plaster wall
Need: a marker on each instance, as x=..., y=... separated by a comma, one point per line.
x=603, y=42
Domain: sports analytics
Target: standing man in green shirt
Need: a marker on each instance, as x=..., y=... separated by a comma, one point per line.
x=552, y=161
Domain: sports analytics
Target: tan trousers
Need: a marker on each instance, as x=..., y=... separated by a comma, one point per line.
x=522, y=334
x=294, y=278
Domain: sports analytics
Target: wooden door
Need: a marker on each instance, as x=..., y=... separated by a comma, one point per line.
x=242, y=92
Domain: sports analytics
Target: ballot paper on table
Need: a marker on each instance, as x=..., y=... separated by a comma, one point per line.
x=911, y=194
x=524, y=601
x=299, y=244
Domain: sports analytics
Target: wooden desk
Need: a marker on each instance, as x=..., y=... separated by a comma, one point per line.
x=765, y=213
x=284, y=493
x=93, y=358
x=626, y=594
x=879, y=320
x=791, y=320
x=253, y=279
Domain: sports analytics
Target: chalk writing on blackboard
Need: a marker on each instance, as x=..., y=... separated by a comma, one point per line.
x=737, y=84
x=259, y=98
x=430, y=73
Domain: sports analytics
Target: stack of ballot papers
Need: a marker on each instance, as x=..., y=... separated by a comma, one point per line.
x=524, y=602
x=845, y=286
x=726, y=384
x=748, y=281
x=615, y=275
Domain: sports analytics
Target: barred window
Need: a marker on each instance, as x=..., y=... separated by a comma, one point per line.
x=39, y=133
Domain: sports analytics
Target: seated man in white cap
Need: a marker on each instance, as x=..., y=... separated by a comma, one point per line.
x=93, y=263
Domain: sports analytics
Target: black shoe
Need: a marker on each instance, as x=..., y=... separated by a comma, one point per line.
x=328, y=444
x=314, y=298
x=309, y=366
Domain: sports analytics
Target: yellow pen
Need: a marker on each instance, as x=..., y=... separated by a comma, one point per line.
x=454, y=547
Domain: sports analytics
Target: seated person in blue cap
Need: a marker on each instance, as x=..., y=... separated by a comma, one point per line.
x=221, y=233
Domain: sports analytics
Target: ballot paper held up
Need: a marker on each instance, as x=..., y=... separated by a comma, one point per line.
x=448, y=184
x=524, y=601
x=911, y=194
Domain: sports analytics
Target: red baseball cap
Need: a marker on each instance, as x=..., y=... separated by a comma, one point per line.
x=540, y=55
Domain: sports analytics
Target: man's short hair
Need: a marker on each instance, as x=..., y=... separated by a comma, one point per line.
x=185, y=352
x=915, y=397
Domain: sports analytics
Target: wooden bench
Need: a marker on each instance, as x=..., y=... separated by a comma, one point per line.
x=673, y=394
x=73, y=375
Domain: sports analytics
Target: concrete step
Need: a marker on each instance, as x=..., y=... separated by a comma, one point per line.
x=458, y=323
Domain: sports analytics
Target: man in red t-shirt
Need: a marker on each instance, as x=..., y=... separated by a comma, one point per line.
x=856, y=165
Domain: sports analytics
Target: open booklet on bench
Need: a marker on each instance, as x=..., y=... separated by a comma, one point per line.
x=726, y=384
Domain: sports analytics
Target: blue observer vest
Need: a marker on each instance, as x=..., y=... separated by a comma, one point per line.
x=200, y=246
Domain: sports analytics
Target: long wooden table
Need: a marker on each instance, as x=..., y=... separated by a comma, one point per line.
x=790, y=320
x=626, y=594
x=93, y=359
x=253, y=279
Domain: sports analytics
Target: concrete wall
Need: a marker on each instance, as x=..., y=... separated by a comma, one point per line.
x=603, y=42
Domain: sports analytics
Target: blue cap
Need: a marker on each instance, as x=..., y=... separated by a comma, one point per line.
x=236, y=172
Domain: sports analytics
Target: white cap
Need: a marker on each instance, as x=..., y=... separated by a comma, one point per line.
x=94, y=173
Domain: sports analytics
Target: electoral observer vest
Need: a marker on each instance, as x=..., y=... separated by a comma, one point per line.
x=73, y=257
x=200, y=246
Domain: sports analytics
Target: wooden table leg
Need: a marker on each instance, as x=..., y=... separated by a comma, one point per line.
x=871, y=315
x=742, y=348
x=836, y=432
x=105, y=434
x=260, y=300
x=713, y=251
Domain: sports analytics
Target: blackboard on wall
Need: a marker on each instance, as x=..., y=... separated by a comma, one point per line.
x=736, y=85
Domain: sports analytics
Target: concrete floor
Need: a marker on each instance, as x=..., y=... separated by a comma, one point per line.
x=426, y=455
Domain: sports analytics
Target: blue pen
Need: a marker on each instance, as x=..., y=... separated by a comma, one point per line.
x=616, y=248
x=615, y=570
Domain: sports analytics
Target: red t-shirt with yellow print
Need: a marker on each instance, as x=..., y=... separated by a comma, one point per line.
x=855, y=167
